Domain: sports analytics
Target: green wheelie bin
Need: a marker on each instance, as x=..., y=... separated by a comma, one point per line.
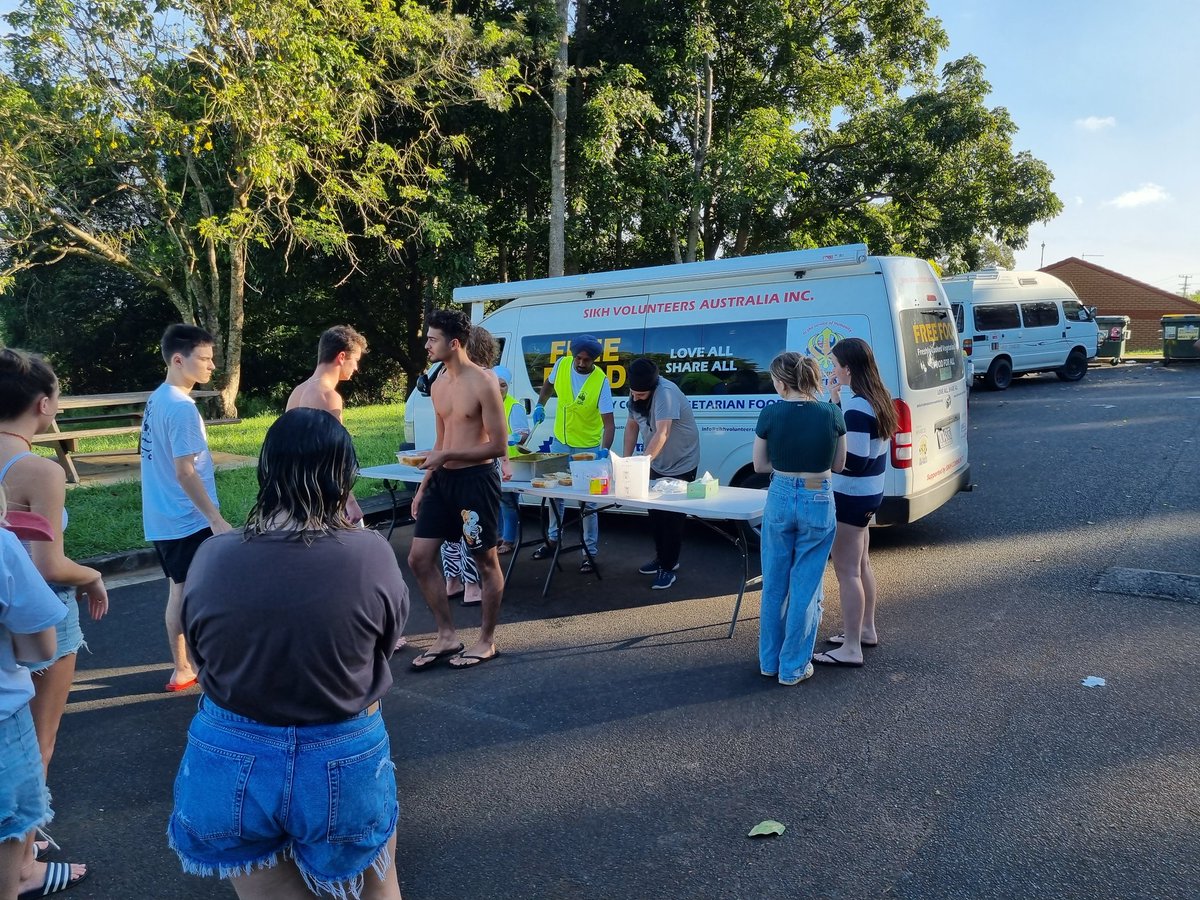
x=1115, y=330
x=1179, y=336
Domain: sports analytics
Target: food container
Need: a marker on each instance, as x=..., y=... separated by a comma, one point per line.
x=598, y=485
x=530, y=466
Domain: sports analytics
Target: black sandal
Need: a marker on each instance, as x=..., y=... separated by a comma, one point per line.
x=546, y=551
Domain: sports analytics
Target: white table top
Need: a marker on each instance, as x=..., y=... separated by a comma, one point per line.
x=732, y=503
x=744, y=504
x=413, y=475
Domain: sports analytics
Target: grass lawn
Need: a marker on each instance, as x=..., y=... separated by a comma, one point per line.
x=107, y=518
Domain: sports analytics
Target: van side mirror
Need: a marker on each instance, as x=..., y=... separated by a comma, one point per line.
x=1090, y=313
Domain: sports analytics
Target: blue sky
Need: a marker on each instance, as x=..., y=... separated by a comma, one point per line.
x=1108, y=99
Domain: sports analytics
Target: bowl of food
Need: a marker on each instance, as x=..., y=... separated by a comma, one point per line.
x=413, y=458
x=544, y=482
x=583, y=457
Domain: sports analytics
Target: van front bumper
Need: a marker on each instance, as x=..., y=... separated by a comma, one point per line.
x=902, y=510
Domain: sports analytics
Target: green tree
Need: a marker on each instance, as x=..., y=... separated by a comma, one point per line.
x=170, y=141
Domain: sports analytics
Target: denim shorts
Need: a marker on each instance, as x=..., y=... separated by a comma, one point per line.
x=68, y=635
x=24, y=800
x=248, y=794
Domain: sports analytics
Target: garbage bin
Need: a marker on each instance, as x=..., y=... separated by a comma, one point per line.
x=1179, y=336
x=1114, y=331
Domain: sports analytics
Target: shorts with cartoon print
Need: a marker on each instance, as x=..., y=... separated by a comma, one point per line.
x=461, y=505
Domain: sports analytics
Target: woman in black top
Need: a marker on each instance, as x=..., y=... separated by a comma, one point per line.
x=287, y=786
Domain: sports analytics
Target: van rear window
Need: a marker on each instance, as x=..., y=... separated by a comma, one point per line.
x=997, y=317
x=931, y=352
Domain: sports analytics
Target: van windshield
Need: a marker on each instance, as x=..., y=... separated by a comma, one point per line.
x=931, y=353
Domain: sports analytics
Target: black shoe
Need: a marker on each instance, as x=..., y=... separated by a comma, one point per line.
x=546, y=551
x=651, y=568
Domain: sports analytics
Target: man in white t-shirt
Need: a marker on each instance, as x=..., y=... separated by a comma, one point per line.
x=179, y=493
x=583, y=422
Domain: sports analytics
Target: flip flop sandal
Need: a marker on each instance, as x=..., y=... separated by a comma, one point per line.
x=587, y=567
x=841, y=639
x=477, y=660
x=824, y=659
x=543, y=552
x=433, y=657
x=58, y=878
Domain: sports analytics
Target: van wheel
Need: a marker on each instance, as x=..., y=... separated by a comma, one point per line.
x=999, y=376
x=1075, y=368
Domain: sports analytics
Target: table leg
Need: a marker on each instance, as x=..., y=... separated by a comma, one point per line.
x=558, y=520
x=391, y=489
x=516, y=550
x=742, y=543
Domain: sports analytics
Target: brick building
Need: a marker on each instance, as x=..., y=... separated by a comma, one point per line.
x=1114, y=294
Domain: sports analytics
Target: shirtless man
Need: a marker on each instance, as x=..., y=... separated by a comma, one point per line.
x=339, y=352
x=460, y=496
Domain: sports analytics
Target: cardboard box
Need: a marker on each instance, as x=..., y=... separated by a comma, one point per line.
x=702, y=490
x=526, y=468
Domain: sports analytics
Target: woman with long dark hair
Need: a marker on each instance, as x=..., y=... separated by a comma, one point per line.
x=28, y=405
x=800, y=441
x=287, y=787
x=857, y=492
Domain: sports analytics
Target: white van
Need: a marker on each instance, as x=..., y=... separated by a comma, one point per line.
x=713, y=329
x=1018, y=322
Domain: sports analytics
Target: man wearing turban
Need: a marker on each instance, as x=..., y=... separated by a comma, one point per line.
x=583, y=422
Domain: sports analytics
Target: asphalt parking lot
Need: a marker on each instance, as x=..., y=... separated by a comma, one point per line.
x=622, y=747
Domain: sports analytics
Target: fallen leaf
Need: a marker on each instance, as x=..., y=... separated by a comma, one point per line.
x=769, y=828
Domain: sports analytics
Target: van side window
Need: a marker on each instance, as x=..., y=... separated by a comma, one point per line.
x=1073, y=310
x=1040, y=314
x=958, y=316
x=996, y=316
x=719, y=358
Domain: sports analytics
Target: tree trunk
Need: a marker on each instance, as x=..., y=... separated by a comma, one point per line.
x=702, y=131
x=558, y=149
x=237, y=315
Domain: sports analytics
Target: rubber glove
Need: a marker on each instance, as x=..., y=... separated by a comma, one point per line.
x=539, y=415
x=602, y=453
x=514, y=440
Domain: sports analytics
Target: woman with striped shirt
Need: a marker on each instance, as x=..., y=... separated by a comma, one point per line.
x=857, y=493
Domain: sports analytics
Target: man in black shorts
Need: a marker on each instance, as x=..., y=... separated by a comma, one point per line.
x=179, y=493
x=460, y=496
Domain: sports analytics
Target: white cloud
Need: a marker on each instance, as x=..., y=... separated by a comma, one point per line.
x=1145, y=195
x=1096, y=123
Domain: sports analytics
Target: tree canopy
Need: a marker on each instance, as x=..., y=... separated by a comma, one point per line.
x=270, y=167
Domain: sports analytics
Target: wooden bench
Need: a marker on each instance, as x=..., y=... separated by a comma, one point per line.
x=64, y=439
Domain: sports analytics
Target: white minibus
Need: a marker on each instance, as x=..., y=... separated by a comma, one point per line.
x=714, y=327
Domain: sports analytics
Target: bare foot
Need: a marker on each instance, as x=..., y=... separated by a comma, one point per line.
x=442, y=648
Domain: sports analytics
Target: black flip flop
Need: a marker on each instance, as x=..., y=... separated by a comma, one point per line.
x=834, y=661
x=838, y=639
x=479, y=660
x=433, y=657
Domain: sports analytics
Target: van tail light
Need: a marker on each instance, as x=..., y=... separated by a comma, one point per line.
x=968, y=344
x=902, y=439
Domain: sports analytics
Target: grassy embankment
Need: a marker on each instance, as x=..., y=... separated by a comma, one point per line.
x=107, y=518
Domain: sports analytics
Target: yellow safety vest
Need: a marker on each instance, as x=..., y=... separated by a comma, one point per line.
x=577, y=421
x=509, y=402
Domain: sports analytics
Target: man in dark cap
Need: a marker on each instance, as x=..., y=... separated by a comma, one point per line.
x=662, y=416
x=583, y=423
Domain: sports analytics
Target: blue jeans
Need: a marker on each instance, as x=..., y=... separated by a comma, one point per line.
x=248, y=795
x=797, y=535
x=24, y=800
x=591, y=524
x=509, y=517
x=68, y=635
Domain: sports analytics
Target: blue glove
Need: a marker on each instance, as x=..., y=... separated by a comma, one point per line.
x=602, y=453
x=539, y=415
x=514, y=440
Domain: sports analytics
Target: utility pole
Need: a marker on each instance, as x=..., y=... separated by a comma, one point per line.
x=1185, y=278
x=1042, y=261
